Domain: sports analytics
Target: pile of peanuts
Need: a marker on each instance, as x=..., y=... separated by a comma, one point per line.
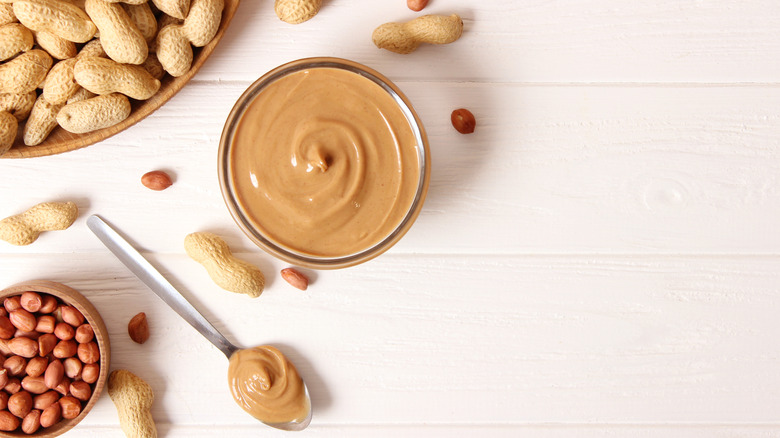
x=52, y=361
x=89, y=58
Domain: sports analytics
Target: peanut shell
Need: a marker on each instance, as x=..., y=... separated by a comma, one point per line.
x=121, y=39
x=105, y=76
x=42, y=120
x=56, y=46
x=25, y=72
x=95, y=113
x=58, y=17
x=8, y=128
x=175, y=8
x=19, y=105
x=7, y=13
x=14, y=39
x=296, y=11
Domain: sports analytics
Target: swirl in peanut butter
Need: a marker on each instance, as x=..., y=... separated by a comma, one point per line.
x=324, y=162
x=266, y=385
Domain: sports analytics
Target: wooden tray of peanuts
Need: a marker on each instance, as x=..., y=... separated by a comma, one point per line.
x=75, y=72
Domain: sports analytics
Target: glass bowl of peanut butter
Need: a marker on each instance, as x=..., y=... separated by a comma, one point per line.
x=324, y=163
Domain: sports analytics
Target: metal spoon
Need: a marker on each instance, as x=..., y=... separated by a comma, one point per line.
x=165, y=290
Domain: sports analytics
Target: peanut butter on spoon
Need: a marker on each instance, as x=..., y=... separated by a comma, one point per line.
x=262, y=380
x=267, y=386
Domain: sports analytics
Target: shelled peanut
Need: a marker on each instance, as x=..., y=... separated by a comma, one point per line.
x=50, y=45
x=51, y=361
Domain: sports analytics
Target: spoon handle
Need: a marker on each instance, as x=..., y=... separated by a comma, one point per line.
x=147, y=273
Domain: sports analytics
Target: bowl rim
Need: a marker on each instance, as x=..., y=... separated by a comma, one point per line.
x=79, y=301
x=287, y=254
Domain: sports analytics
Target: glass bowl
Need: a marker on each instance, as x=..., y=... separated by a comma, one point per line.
x=242, y=213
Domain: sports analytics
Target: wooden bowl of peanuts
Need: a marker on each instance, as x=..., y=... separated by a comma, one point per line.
x=145, y=56
x=56, y=355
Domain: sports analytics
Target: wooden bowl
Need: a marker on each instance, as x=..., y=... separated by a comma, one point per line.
x=71, y=297
x=61, y=140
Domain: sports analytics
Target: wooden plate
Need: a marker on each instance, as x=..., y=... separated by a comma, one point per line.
x=61, y=140
x=76, y=299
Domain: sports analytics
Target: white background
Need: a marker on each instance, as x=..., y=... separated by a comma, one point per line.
x=600, y=258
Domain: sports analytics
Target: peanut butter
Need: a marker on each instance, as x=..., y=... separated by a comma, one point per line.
x=266, y=385
x=324, y=162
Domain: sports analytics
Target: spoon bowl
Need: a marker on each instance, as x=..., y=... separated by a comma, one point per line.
x=147, y=273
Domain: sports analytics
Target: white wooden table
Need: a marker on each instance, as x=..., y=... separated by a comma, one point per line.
x=600, y=258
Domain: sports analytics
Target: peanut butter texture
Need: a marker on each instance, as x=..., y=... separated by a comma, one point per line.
x=324, y=162
x=267, y=386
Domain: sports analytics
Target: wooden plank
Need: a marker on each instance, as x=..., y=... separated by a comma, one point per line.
x=551, y=169
x=463, y=339
x=444, y=431
x=511, y=41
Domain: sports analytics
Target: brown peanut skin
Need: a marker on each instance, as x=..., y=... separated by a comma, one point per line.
x=156, y=180
x=46, y=344
x=65, y=349
x=73, y=367
x=20, y=404
x=31, y=301
x=34, y=385
x=46, y=324
x=51, y=415
x=71, y=407
x=64, y=386
x=31, y=422
x=49, y=304
x=90, y=372
x=138, y=328
x=24, y=347
x=88, y=353
x=463, y=121
x=8, y=421
x=13, y=386
x=72, y=316
x=54, y=374
x=12, y=303
x=7, y=329
x=416, y=5
x=64, y=331
x=295, y=278
x=23, y=320
x=81, y=390
x=84, y=333
x=36, y=366
x=15, y=365
x=45, y=400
